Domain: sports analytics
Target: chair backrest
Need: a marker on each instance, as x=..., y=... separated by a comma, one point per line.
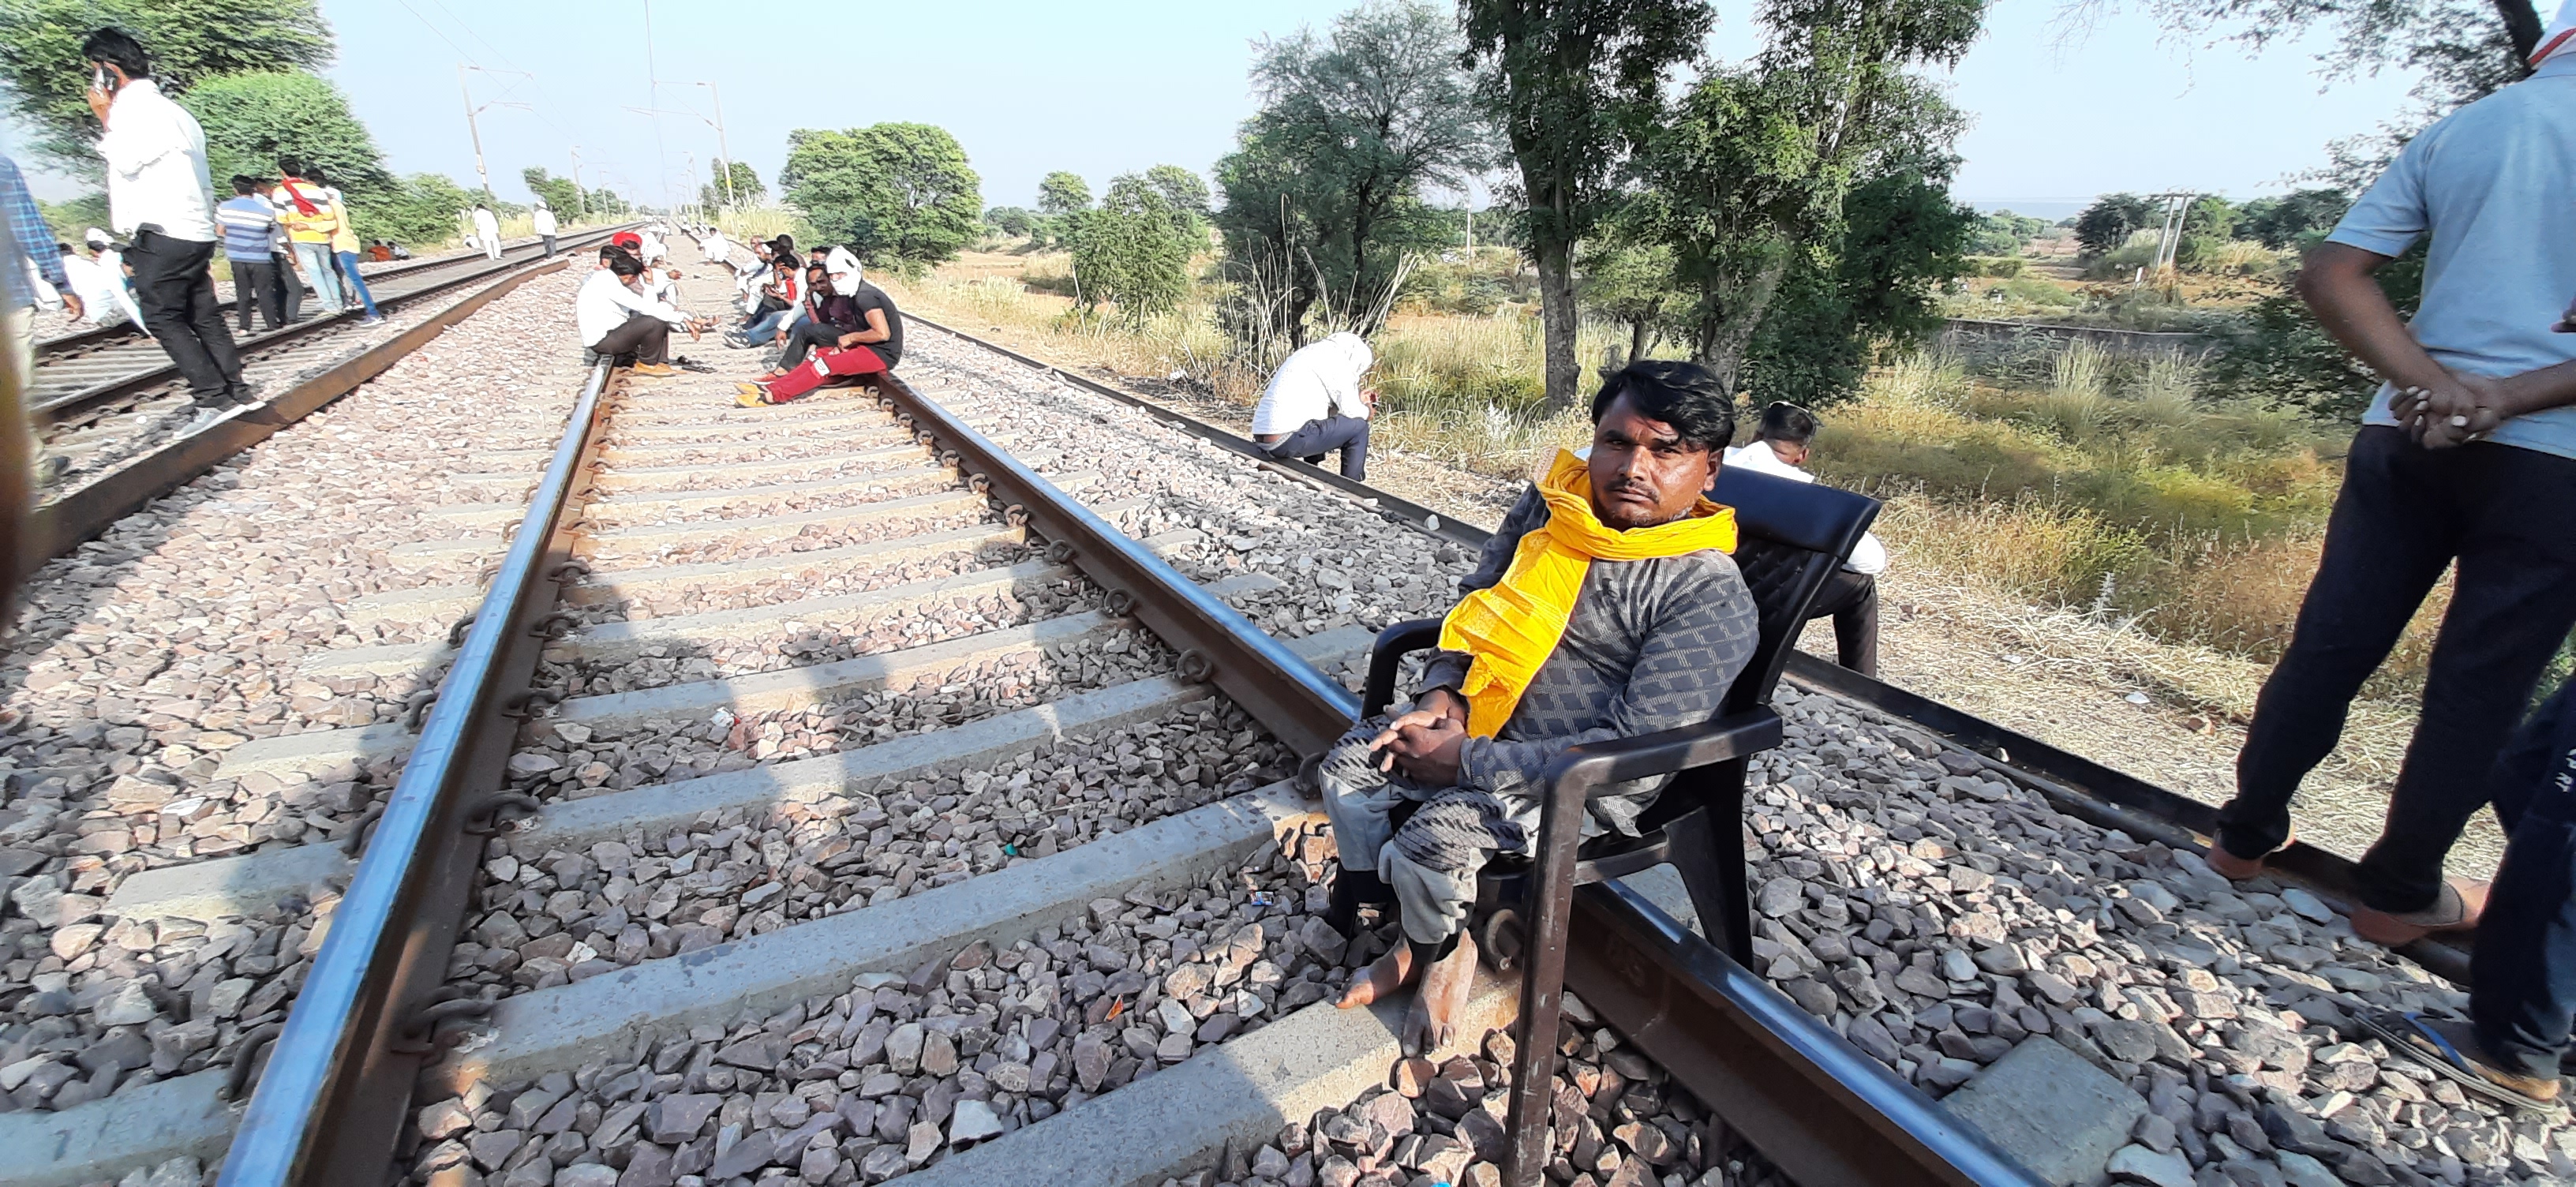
x=1791, y=537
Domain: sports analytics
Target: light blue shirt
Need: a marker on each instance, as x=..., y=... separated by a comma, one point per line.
x=2494, y=183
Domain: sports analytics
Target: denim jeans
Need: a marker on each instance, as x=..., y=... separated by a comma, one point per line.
x=2404, y=515
x=315, y=259
x=1315, y=438
x=2524, y=970
x=767, y=327
x=357, y=284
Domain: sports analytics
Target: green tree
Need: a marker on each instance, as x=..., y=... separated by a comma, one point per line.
x=73, y=217
x=896, y=193
x=747, y=190
x=606, y=202
x=45, y=75
x=2292, y=219
x=559, y=192
x=2109, y=221
x=1183, y=190
x=1011, y=220
x=1323, y=194
x=1748, y=177
x=1129, y=254
x=251, y=120
x=1877, y=281
x=422, y=209
x=2004, y=233
x=1575, y=83
x=1631, y=284
x=2462, y=50
x=1061, y=193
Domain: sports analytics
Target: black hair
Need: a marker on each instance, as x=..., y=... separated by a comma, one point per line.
x=244, y=183
x=290, y=166
x=1686, y=396
x=625, y=265
x=118, y=48
x=313, y=173
x=785, y=243
x=1784, y=421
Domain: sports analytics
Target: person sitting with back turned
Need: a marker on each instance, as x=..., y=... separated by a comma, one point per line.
x=1606, y=606
x=873, y=348
x=617, y=320
x=1315, y=405
x=1779, y=448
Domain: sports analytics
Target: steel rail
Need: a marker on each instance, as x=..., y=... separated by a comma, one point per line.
x=69, y=404
x=2075, y=785
x=80, y=513
x=330, y=1106
x=97, y=336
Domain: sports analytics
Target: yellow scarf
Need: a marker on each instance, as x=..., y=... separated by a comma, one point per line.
x=1511, y=628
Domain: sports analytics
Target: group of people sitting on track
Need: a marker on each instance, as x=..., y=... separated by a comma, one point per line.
x=830, y=325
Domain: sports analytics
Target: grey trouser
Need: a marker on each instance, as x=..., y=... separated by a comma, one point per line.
x=1432, y=858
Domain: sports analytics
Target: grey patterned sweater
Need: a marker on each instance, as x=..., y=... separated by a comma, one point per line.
x=1652, y=645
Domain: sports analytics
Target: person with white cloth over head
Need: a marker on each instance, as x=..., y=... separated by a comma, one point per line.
x=487, y=231
x=1315, y=405
x=99, y=279
x=1779, y=448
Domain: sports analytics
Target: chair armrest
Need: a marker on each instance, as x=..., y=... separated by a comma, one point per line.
x=1387, y=654
x=1582, y=771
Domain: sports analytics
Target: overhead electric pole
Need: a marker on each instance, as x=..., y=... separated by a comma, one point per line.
x=580, y=204
x=475, y=130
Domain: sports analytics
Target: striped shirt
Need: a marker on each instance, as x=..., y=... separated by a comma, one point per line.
x=249, y=223
x=29, y=238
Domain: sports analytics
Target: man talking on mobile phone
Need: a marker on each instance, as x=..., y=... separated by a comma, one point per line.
x=158, y=196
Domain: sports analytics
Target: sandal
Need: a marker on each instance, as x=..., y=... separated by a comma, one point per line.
x=2409, y=1033
x=751, y=395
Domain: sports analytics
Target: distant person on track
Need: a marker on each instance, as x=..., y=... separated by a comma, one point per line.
x=1606, y=607
x=344, y=248
x=872, y=348
x=380, y=251
x=159, y=198
x=311, y=222
x=649, y=246
x=618, y=321
x=1315, y=404
x=487, y=231
x=1780, y=448
x=249, y=224
x=545, y=226
x=32, y=245
x=99, y=278
x=2488, y=186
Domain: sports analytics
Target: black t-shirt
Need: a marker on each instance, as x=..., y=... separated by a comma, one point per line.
x=870, y=297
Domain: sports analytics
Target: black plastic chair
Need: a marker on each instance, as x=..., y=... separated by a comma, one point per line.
x=1792, y=538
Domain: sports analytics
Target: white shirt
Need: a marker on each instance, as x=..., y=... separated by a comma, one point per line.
x=605, y=303
x=1869, y=556
x=545, y=221
x=1321, y=379
x=652, y=246
x=487, y=225
x=100, y=284
x=156, y=166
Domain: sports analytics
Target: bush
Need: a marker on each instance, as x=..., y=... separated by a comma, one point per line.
x=1134, y=258
x=2031, y=290
x=2001, y=267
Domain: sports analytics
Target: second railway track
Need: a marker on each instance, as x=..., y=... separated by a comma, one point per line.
x=873, y=813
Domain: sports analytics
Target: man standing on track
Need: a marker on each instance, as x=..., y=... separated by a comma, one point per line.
x=249, y=223
x=873, y=347
x=158, y=197
x=310, y=223
x=1780, y=449
x=617, y=320
x=2487, y=185
x=344, y=248
x=1315, y=405
x=1606, y=607
x=545, y=220
x=487, y=231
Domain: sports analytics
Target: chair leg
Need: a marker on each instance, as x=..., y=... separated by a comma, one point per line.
x=1708, y=850
x=1549, y=907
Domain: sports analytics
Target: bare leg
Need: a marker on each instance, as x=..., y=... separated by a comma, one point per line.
x=1392, y=972
x=1432, y=1021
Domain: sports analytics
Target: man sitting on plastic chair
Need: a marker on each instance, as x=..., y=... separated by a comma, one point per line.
x=1607, y=607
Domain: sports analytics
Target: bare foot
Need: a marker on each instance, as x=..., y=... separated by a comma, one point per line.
x=1432, y=1021
x=1392, y=972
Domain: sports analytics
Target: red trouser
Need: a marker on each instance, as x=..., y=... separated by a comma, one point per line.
x=810, y=374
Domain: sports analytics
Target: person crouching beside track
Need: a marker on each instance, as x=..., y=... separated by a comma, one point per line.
x=2476, y=367
x=1315, y=405
x=618, y=321
x=855, y=328
x=1606, y=607
x=1780, y=448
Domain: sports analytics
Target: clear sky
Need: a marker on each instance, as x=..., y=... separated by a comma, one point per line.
x=1104, y=88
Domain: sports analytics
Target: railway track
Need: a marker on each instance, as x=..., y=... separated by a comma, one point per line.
x=109, y=405
x=818, y=795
